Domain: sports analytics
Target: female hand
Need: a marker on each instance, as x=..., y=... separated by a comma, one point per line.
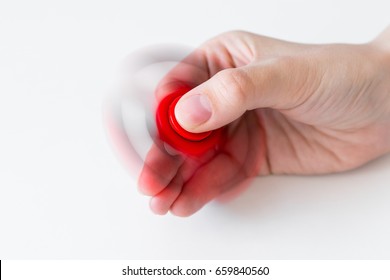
x=289, y=109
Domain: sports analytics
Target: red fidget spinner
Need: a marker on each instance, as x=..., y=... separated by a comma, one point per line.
x=170, y=131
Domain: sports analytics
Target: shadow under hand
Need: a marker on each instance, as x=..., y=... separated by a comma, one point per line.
x=272, y=196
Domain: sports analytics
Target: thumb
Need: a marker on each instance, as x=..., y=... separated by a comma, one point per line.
x=231, y=92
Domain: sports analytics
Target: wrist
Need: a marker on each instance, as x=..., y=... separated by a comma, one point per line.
x=381, y=46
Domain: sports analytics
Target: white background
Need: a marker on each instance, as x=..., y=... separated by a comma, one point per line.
x=63, y=193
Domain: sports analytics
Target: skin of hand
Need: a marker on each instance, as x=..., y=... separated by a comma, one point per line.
x=288, y=108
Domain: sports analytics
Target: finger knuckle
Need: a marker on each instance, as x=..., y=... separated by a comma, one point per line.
x=233, y=85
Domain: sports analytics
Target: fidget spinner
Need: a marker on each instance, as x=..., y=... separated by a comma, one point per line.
x=171, y=133
x=136, y=121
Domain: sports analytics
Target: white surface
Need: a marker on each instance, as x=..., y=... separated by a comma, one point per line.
x=63, y=193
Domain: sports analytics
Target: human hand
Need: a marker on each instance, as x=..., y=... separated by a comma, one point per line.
x=288, y=109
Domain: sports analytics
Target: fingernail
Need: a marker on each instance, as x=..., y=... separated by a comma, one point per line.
x=193, y=110
x=170, y=150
